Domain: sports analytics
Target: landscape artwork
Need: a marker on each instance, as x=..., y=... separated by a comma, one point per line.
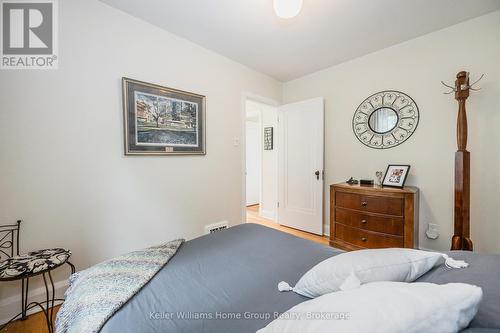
x=165, y=121
x=162, y=121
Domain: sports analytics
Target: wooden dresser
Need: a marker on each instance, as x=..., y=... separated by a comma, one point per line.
x=369, y=217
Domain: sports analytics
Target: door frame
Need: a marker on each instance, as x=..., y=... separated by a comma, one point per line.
x=245, y=96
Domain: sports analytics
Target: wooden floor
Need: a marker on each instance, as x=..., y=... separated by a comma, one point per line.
x=253, y=217
x=36, y=322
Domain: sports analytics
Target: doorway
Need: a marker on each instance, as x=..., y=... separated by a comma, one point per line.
x=287, y=173
x=261, y=164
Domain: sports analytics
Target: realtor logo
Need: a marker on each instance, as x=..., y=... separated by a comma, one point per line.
x=29, y=34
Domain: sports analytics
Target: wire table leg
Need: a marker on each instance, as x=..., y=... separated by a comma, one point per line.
x=23, y=312
x=51, y=312
x=46, y=310
x=24, y=298
x=72, y=267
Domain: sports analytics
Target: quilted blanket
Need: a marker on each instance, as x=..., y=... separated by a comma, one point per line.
x=96, y=293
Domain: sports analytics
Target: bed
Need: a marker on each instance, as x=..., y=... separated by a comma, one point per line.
x=226, y=282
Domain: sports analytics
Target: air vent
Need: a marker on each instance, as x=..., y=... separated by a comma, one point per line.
x=216, y=227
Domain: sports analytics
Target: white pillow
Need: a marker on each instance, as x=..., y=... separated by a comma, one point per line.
x=351, y=269
x=384, y=307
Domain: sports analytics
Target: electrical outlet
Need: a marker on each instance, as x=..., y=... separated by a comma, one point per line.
x=434, y=227
x=432, y=231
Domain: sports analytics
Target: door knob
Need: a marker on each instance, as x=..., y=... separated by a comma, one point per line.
x=317, y=174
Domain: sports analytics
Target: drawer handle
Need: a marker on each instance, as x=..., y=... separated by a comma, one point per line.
x=364, y=204
x=364, y=221
x=364, y=239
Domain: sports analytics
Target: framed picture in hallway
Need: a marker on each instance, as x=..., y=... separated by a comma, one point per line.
x=162, y=121
x=268, y=138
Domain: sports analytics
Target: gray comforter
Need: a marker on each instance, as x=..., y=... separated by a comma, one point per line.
x=227, y=282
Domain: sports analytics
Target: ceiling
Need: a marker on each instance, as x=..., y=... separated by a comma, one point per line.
x=325, y=33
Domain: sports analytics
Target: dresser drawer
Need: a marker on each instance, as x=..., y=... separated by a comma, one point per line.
x=383, y=224
x=366, y=239
x=373, y=204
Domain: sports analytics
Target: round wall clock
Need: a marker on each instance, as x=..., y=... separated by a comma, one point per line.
x=385, y=119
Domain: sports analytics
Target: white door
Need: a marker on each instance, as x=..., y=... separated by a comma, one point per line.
x=253, y=162
x=300, y=165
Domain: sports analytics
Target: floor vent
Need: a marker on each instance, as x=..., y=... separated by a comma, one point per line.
x=216, y=227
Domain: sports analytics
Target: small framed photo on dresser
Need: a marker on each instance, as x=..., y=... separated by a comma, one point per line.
x=396, y=175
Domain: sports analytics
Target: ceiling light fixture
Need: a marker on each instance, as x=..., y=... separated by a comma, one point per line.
x=287, y=8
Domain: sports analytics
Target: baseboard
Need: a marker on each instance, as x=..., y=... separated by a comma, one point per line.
x=268, y=214
x=326, y=230
x=11, y=306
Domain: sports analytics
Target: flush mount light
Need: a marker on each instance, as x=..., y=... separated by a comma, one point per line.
x=287, y=8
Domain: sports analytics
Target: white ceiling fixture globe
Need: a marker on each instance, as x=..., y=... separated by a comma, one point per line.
x=287, y=8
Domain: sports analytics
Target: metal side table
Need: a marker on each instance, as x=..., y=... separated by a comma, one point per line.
x=23, y=267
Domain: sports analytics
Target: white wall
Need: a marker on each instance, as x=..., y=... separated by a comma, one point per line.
x=63, y=170
x=417, y=67
x=253, y=161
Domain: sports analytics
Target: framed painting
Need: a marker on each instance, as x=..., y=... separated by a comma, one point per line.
x=162, y=121
x=396, y=175
x=268, y=138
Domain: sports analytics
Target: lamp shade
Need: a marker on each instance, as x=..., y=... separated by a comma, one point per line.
x=287, y=8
